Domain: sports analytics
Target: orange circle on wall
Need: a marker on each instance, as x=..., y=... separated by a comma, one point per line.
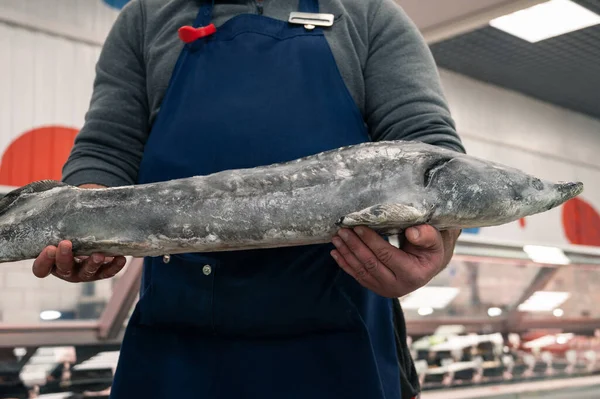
x=37, y=154
x=581, y=222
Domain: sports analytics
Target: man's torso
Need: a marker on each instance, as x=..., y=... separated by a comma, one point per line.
x=348, y=38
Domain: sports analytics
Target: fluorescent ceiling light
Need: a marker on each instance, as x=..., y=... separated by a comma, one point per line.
x=494, y=312
x=558, y=312
x=430, y=297
x=50, y=315
x=547, y=255
x=546, y=20
x=543, y=301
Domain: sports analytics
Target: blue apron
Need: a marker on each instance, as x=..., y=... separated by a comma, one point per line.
x=265, y=324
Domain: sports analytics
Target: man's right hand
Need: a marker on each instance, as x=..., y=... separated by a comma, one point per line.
x=60, y=262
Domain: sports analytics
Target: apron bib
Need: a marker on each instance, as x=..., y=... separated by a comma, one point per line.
x=276, y=323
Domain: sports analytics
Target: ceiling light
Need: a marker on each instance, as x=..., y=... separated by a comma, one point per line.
x=547, y=255
x=558, y=312
x=546, y=20
x=430, y=297
x=494, y=312
x=50, y=315
x=543, y=301
x=425, y=311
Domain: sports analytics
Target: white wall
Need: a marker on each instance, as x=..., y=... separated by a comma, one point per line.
x=88, y=20
x=45, y=80
x=541, y=139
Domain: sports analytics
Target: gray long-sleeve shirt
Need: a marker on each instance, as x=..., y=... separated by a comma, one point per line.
x=381, y=56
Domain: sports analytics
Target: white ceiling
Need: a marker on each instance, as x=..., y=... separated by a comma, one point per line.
x=429, y=13
x=441, y=19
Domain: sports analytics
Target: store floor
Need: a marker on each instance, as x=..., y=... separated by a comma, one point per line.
x=584, y=393
x=572, y=388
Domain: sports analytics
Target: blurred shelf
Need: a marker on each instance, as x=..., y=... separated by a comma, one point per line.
x=53, y=333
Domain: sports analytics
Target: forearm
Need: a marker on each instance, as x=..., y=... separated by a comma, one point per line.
x=92, y=186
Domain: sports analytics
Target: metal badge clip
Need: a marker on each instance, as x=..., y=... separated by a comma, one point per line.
x=311, y=20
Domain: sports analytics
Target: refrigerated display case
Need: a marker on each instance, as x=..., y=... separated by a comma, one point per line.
x=508, y=315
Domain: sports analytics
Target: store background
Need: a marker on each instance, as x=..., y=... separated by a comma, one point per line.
x=46, y=87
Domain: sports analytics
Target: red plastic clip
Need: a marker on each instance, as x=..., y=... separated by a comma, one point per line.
x=189, y=34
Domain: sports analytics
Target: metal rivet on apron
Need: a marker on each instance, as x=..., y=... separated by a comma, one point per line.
x=206, y=270
x=167, y=258
x=309, y=26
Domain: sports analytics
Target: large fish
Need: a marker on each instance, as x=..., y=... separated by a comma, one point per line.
x=387, y=186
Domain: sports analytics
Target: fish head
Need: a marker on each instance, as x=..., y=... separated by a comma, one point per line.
x=472, y=192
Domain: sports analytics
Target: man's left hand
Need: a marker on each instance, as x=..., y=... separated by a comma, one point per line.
x=390, y=271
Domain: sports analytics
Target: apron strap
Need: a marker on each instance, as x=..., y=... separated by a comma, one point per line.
x=309, y=6
x=204, y=14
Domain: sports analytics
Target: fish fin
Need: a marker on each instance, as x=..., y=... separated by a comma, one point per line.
x=388, y=217
x=35, y=187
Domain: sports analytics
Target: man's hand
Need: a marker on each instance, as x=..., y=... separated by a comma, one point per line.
x=60, y=262
x=389, y=271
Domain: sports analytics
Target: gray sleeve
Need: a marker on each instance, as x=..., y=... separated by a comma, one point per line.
x=404, y=97
x=109, y=147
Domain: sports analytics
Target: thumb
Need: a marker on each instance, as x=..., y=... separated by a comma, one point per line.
x=424, y=237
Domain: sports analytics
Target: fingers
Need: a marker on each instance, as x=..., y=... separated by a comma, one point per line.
x=89, y=267
x=425, y=245
x=44, y=263
x=381, y=248
x=113, y=268
x=389, y=271
x=352, y=265
x=424, y=237
x=64, y=260
x=367, y=268
x=60, y=262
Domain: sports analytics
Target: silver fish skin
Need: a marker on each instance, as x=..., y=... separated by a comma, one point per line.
x=387, y=186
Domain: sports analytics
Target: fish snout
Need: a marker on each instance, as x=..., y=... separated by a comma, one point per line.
x=569, y=190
